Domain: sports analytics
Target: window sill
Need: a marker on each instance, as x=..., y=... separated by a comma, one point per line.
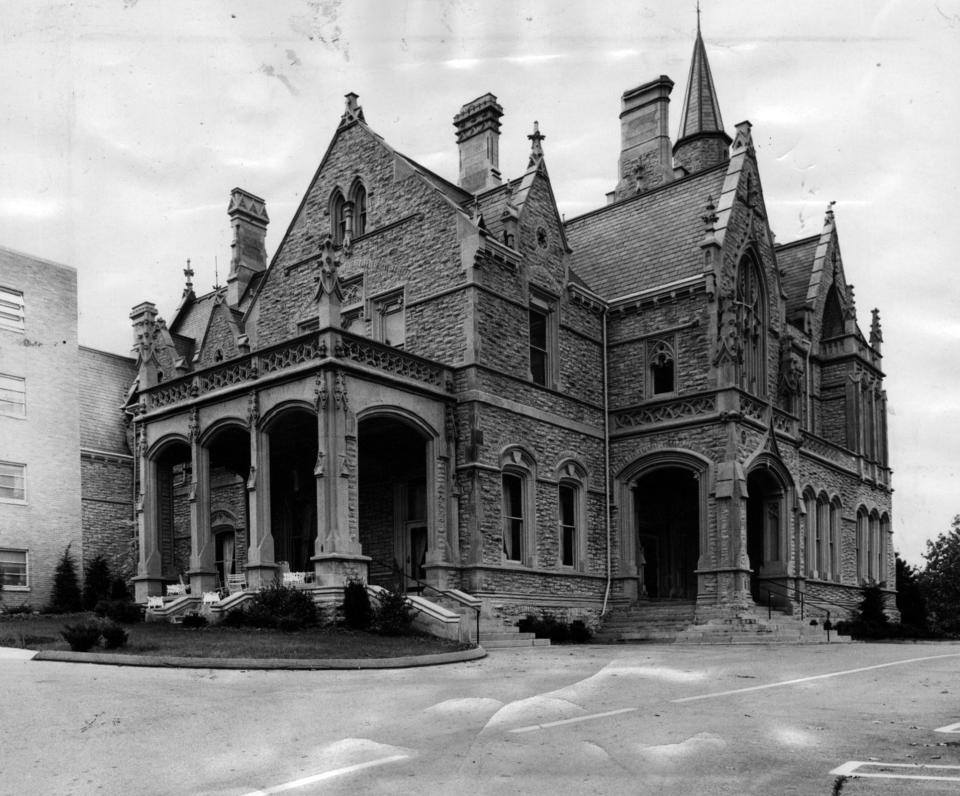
x=13, y=501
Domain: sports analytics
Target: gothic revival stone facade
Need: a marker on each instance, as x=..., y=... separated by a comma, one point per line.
x=447, y=383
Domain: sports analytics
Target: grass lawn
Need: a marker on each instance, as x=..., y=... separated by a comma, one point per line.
x=42, y=632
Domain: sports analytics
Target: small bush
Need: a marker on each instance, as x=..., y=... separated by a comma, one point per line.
x=395, y=613
x=557, y=630
x=122, y=611
x=23, y=608
x=194, y=621
x=235, y=618
x=579, y=632
x=96, y=582
x=82, y=635
x=114, y=636
x=281, y=607
x=119, y=590
x=357, y=612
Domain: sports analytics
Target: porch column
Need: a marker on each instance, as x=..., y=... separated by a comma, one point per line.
x=149, y=579
x=337, y=552
x=203, y=572
x=261, y=567
x=732, y=561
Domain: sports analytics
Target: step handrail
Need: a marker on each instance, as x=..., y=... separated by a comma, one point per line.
x=772, y=587
x=396, y=569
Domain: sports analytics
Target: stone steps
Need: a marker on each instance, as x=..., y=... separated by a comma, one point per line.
x=503, y=636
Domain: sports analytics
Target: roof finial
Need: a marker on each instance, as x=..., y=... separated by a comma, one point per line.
x=536, y=150
x=698, y=17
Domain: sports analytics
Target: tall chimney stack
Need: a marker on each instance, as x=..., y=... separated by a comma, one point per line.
x=248, y=217
x=645, y=157
x=478, y=136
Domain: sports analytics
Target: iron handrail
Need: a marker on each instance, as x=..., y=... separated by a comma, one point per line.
x=395, y=568
x=797, y=595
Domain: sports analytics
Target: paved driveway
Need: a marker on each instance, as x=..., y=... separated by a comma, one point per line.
x=577, y=720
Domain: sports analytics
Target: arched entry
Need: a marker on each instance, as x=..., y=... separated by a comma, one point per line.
x=229, y=464
x=394, y=484
x=174, y=476
x=766, y=528
x=667, y=507
x=293, y=487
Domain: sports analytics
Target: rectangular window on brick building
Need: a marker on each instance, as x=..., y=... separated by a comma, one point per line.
x=568, y=524
x=13, y=569
x=13, y=396
x=538, y=346
x=13, y=481
x=389, y=321
x=513, y=518
x=11, y=309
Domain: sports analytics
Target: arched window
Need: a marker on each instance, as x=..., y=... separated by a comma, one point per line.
x=358, y=196
x=751, y=303
x=338, y=217
x=810, y=511
x=873, y=549
x=823, y=537
x=660, y=367
x=519, y=509
x=884, y=531
x=571, y=513
x=836, y=540
x=863, y=532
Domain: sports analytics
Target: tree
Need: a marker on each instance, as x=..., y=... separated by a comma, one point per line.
x=96, y=582
x=940, y=580
x=65, y=597
x=910, y=598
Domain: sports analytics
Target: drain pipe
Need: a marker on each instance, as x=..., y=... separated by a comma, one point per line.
x=606, y=464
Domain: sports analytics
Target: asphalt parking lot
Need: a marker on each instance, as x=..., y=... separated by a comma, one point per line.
x=763, y=719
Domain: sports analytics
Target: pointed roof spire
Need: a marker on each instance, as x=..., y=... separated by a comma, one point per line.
x=536, y=150
x=701, y=110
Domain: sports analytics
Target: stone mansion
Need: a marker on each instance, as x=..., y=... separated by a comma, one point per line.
x=447, y=383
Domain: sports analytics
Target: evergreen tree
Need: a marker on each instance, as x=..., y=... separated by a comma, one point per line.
x=940, y=580
x=96, y=582
x=65, y=597
x=910, y=598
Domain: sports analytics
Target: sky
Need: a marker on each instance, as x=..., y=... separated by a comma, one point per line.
x=125, y=124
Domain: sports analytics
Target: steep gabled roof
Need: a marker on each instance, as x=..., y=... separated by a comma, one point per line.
x=795, y=261
x=645, y=241
x=701, y=109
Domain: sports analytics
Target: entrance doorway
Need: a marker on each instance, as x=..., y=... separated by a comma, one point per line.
x=764, y=528
x=293, y=488
x=667, y=502
x=394, y=527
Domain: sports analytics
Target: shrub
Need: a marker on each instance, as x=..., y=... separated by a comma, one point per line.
x=235, y=618
x=194, y=621
x=96, y=582
x=281, y=607
x=395, y=613
x=82, y=635
x=119, y=590
x=557, y=630
x=65, y=597
x=23, y=608
x=122, y=611
x=114, y=636
x=579, y=632
x=357, y=612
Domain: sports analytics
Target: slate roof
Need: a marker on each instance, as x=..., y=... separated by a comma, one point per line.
x=795, y=259
x=645, y=241
x=701, y=109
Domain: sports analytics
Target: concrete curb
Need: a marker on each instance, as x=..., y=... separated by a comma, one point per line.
x=113, y=659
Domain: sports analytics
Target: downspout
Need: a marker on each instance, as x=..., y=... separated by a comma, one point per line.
x=606, y=464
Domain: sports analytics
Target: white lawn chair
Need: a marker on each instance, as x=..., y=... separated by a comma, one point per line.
x=294, y=578
x=236, y=583
x=155, y=602
x=211, y=598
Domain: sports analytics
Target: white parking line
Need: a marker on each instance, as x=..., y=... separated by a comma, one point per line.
x=814, y=677
x=337, y=772
x=950, y=728
x=577, y=720
x=851, y=769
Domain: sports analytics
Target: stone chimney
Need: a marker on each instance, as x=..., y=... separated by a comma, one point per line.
x=478, y=136
x=645, y=157
x=248, y=217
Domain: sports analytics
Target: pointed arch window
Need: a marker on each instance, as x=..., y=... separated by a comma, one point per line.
x=338, y=217
x=358, y=197
x=661, y=367
x=810, y=512
x=751, y=301
x=863, y=534
x=832, y=325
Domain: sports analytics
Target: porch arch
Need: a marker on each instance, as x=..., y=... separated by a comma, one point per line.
x=662, y=484
x=771, y=499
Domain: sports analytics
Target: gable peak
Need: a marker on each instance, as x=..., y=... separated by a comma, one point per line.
x=352, y=111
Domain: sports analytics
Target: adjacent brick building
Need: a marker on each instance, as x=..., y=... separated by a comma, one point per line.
x=447, y=383
x=65, y=468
